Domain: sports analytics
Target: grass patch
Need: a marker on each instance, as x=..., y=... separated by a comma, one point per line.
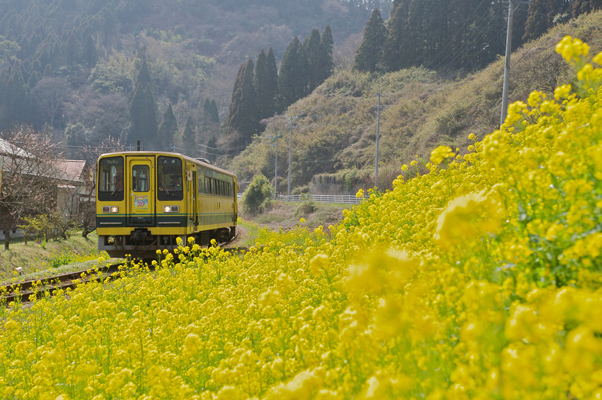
x=39, y=259
x=281, y=217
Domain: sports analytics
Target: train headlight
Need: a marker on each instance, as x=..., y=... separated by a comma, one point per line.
x=171, y=209
x=110, y=209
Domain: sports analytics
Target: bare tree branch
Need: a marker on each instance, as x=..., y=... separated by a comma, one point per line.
x=29, y=180
x=49, y=95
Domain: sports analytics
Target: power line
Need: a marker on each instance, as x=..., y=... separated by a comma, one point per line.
x=211, y=154
x=222, y=148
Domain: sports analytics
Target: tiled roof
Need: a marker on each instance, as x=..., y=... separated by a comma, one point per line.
x=65, y=170
x=73, y=169
x=7, y=148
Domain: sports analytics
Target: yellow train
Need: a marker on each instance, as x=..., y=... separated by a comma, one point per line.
x=145, y=200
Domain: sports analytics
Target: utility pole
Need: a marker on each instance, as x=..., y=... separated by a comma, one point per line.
x=507, y=62
x=290, y=146
x=275, y=141
x=378, y=108
x=506, y=87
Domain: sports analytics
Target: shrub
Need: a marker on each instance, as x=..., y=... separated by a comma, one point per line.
x=51, y=226
x=300, y=190
x=258, y=195
x=37, y=226
x=306, y=207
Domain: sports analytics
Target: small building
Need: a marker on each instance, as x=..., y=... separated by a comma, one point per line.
x=76, y=189
x=72, y=178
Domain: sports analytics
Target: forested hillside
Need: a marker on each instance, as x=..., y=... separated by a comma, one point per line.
x=73, y=65
x=333, y=146
x=165, y=72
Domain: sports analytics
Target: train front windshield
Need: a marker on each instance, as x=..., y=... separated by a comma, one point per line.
x=110, y=179
x=169, y=178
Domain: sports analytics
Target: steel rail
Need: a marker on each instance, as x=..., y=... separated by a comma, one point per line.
x=38, y=287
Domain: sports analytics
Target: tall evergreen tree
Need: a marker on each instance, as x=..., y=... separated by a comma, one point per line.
x=370, y=51
x=143, y=117
x=48, y=71
x=260, y=76
x=211, y=149
x=312, y=52
x=34, y=78
x=143, y=79
x=243, y=117
x=89, y=53
x=291, y=83
x=207, y=118
x=14, y=106
x=72, y=49
x=304, y=67
x=436, y=30
x=210, y=113
x=413, y=37
x=537, y=21
x=168, y=129
x=324, y=63
x=392, y=50
x=143, y=114
x=581, y=7
x=266, y=83
x=189, y=137
x=214, y=112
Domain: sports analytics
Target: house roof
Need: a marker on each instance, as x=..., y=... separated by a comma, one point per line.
x=73, y=169
x=65, y=170
x=8, y=148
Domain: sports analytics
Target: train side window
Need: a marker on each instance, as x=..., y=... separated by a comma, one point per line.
x=200, y=184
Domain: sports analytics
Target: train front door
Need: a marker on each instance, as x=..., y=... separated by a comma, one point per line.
x=141, y=189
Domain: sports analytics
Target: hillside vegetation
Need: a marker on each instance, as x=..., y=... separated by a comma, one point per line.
x=481, y=279
x=70, y=65
x=335, y=138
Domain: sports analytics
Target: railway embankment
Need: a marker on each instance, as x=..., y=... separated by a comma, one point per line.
x=39, y=258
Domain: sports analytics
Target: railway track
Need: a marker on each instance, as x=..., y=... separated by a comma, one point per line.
x=43, y=286
x=40, y=287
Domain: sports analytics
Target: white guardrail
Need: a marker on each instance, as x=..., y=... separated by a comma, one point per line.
x=322, y=198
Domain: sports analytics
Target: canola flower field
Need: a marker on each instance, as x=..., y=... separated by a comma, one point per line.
x=478, y=280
